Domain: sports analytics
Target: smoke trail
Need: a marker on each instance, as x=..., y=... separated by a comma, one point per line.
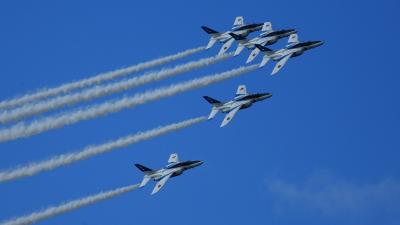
x=90, y=151
x=22, y=130
x=98, y=91
x=69, y=206
x=95, y=79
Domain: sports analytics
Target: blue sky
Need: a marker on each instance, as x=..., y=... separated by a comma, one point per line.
x=326, y=141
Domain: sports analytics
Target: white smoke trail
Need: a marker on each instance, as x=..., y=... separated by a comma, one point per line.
x=69, y=206
x=62, y=89
x=22, y=130
x=98, y=91
x=90, y=151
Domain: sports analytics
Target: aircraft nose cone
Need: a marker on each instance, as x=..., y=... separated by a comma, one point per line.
x=320, y=43
x=267, y=95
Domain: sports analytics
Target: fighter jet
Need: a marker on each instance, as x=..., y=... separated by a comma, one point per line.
x=173, y=169
x=268, y=37
x=293, y=49
x=239, y=28
x=242, y=100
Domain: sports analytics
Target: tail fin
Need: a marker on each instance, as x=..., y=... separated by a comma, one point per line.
x=212, y=101
x=214, y=34
x=237, y=37
x=293, y=39
x=242, y=40
x=241, y=90
x=209, y=30
x=263, y=48
x=143, y=168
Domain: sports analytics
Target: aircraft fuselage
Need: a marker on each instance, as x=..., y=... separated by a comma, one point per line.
x=246, y=101
x=269, y=38
x=176, y=169
x=244, y=31
x=295, y=49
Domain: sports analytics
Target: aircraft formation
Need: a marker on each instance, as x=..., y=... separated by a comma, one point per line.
x=70, y=93
x=242, y=100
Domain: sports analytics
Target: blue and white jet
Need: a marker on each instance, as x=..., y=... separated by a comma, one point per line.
x=294, y=48
x=242, y=100
x=173, y=169
x=239, y=28
x=268, y=37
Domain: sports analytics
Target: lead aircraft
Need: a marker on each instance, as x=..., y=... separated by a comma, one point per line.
x=242, y=100
x=239, y=28
x=174, y=168
x=294, y=48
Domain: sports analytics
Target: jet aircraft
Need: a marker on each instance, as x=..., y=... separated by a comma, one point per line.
x=293, y=49
x=242, y=100
x=174, y=168
x=268, y=37
x=239, y=28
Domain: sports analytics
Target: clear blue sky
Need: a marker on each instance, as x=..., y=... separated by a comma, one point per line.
x=323, y=150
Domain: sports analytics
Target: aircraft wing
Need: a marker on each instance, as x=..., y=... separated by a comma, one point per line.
x=281, y=63
x=253, y=55
x=161, y=183
x=226, y=46
x=230, y=115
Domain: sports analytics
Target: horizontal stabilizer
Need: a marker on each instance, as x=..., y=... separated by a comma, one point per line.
x=211, y=42
x=239, y=49
x=264, y=61
x=145, y=180
x=213, y=113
